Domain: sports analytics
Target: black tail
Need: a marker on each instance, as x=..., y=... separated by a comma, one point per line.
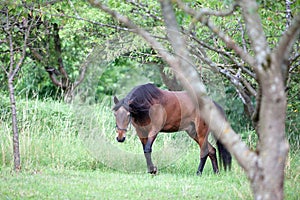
x=225, y=158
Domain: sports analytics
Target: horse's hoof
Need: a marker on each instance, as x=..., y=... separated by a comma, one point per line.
x=199, y=173
x=153, y=170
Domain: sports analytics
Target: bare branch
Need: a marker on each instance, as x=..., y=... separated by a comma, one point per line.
x=295, y=65
x=36, y=55
x=23, y=53
x=288, y=14
x=3, y=68
x=83, y=70
x=230, y=43
x=226, y=54
x=255, y=116
x=90, y=21
x=3, y=41
x=206, y=11
x=53, y=74
x=59, y=52
x=144, y=7
x=285, y=45
x=255, y=30
x=237, y=80
x=243, y=36
x=74, y=9
x=7, y=29
x=249, y=87
x=51, y=2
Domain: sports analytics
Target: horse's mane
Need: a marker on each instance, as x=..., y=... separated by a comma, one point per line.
x=139, y=100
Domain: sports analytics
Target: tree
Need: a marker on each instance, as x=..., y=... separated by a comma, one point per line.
x=58, y=74
x=49, y=51
x=61, y=42
x=16, y=29
x=265, y=165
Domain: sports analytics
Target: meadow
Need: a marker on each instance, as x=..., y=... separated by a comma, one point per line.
x=69, y=151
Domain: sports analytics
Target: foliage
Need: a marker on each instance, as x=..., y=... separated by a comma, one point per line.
x=123, y=74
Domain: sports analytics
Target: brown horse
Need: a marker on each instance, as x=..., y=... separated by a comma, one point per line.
x=152, y=110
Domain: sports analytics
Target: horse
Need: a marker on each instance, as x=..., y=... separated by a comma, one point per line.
x=152, y=110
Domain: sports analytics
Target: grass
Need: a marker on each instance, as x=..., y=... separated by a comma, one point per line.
x=69, y=152
x=71, y=184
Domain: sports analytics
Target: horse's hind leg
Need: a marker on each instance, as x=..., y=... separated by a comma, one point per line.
x=200, y=135
x=207, y=150
x=199, y=138
x=213, y=157
x=204, y=153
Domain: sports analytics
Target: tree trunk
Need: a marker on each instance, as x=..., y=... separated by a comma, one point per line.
x=16, y=150
x=57, y=72
x=267, y=182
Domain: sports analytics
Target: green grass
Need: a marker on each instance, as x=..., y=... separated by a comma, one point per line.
x=110, y=184
x=70, y=184
x=70, y=152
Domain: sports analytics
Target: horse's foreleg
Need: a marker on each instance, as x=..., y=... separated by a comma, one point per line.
x=152, y=169
x=147, y=146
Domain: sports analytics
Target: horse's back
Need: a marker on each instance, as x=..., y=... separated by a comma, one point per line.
x=180, y=111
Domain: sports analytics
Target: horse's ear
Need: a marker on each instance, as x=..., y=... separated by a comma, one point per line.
x=116, y=100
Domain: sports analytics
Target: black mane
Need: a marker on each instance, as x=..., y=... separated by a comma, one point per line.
x=139, y=100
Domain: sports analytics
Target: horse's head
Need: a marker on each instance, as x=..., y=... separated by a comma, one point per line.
x=123, y=118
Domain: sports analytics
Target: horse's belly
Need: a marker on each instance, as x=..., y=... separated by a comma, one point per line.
x=168, y=128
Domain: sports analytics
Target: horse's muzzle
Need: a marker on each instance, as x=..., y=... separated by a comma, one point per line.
x=121, y=140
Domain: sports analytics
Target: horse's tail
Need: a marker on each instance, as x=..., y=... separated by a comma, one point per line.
x=225, y=158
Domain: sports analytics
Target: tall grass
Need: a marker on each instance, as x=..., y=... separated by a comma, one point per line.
x=47, y=134
x=79, y=136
